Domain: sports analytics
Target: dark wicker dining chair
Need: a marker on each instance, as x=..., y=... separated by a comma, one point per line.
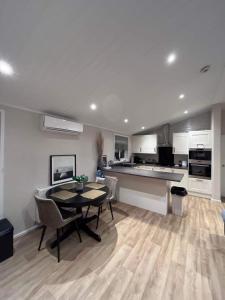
x=51, y=216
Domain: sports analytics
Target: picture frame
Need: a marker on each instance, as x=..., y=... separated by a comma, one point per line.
x=62, y=168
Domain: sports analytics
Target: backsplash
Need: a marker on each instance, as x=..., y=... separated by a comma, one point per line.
x=180, y=157
x=146, y=158
x=153, y=158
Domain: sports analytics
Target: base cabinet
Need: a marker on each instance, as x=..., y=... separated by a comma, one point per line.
x=200, y=186
x=196, y=186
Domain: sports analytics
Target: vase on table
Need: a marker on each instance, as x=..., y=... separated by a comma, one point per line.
x=80, y=186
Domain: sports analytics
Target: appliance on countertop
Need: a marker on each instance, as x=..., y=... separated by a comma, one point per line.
x=166, y=156
x=182, y=164
x=200, y=163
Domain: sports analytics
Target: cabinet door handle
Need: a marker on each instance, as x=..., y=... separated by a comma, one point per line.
x=140, y=149
x=173, y=149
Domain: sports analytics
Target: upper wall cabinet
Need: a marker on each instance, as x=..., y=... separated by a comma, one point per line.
x=144, y=144
x=136, y=143
x=180, y=143
x=200, y=139
x=149, y=144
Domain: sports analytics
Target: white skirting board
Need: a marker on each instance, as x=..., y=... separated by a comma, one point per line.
x=154, y=203
x=26, y=231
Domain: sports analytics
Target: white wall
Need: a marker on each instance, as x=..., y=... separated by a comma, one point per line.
x=223, y=123
x=216, y=151
x=27, y=151
x=2, y=126
x=223, y=155
x=223, y=165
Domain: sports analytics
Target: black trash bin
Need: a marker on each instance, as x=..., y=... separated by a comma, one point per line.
x=6, y=239
x=178, y=197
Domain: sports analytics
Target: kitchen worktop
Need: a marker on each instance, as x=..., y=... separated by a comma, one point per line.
x=160, y=166
x=147, y=173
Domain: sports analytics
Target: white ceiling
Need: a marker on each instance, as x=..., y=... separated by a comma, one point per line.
x=68, y=54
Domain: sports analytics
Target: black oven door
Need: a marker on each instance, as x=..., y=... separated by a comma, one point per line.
x=200, y=170
x=199, y=154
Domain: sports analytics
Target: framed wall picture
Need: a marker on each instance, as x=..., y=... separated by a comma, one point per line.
x=62, y=168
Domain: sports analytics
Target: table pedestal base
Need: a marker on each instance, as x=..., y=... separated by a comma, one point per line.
x=82, y=224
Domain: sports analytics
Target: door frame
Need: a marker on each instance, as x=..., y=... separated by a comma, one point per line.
x=2, y=147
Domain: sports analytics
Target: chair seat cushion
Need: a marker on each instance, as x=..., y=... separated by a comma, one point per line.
x=223, y=214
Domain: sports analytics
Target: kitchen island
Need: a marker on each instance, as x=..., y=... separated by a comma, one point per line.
x=143, y=188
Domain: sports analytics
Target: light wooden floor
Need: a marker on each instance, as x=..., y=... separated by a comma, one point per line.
x=142, y=256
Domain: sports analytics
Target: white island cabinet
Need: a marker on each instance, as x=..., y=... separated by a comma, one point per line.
x=144, y=188
x=183, y=183
x=146, y=144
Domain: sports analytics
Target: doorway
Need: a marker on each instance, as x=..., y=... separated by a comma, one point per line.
x=2, y=137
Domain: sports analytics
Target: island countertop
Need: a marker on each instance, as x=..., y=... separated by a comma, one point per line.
x=147, y=173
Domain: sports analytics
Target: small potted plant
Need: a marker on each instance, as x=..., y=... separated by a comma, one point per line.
x=80, y=181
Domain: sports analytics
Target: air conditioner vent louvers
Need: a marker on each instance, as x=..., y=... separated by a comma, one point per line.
x=55, y=124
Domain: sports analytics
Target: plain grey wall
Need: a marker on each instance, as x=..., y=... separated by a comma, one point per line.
x=198, y=122
x=27, y=151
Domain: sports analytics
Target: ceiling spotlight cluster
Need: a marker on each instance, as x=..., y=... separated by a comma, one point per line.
x=6, y=69
x=170, y=59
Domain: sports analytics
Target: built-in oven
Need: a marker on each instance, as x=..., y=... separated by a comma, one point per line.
x=200, y=154
x=200, y=168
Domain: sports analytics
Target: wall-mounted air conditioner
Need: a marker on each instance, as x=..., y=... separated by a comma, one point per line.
x=55, y=124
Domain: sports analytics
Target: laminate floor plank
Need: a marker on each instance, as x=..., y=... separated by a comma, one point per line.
x=142, y=255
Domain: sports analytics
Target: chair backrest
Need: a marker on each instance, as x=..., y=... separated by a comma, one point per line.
x=111, y=183
x=49, y=213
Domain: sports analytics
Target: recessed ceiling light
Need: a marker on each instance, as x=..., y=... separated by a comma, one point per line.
x=5, y=68
x=181, y=96
x=125, y=120
x=143, y=127
x=186, y=112
x=93, y=106
x=171, y=58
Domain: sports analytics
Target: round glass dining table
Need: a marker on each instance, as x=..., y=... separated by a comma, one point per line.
x=68, y=196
